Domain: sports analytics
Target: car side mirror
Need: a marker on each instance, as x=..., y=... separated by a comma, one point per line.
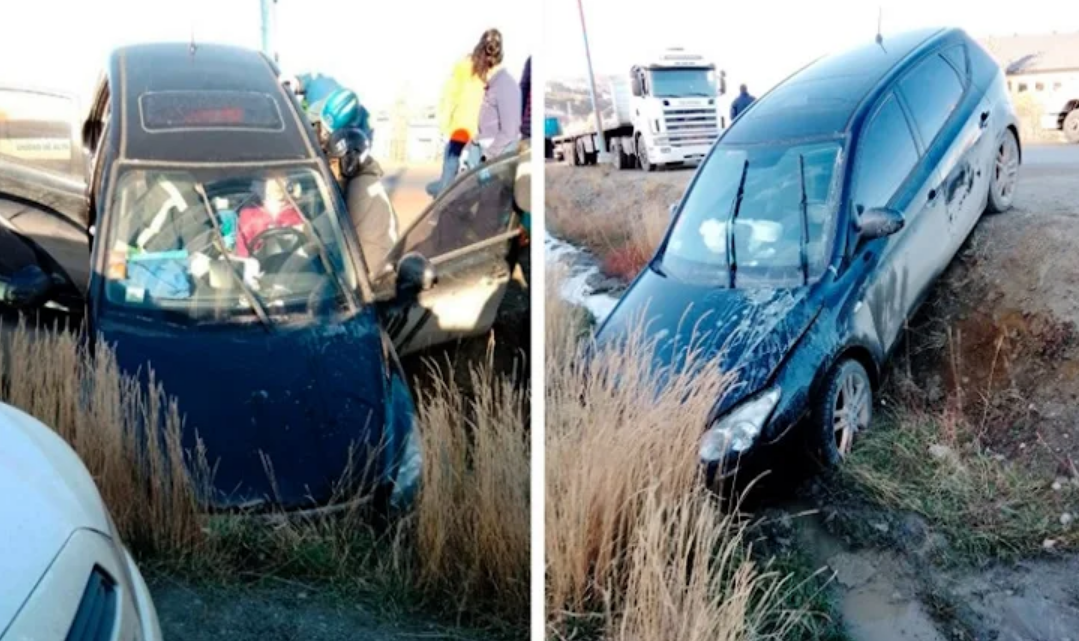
x=635, y=86
x=415, y=274
x=879, y=222
x=722, y=83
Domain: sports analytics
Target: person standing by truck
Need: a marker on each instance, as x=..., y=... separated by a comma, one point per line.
x=742, y=102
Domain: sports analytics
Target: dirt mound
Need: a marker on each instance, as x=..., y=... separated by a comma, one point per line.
x=998, y=337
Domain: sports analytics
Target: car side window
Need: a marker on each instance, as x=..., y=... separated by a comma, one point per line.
x=886, y=155
x=957, y=55
x=478, y=207
x=933, y=90
x=36, y=131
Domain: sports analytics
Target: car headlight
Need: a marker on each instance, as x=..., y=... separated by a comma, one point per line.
x=738, y=429
x=408, y=472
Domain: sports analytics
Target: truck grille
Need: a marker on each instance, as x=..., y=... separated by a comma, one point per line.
x=96, y=616
x=691, y=127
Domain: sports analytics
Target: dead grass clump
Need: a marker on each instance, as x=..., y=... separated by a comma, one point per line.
x=619, y=221
x=472, y=516
x=128, y=435
x=635, y=544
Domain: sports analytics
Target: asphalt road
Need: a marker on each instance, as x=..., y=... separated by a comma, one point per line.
x=406, y=185
x=1055, y=156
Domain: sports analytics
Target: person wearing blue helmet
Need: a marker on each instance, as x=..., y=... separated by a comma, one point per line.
x=345, y=132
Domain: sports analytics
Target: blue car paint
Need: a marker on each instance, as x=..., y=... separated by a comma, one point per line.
x=791, y=338
x=306, y=398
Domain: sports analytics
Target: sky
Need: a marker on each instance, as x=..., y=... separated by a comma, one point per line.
x=760, y=42
x=376, y=48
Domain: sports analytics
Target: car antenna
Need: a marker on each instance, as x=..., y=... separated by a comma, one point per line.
x=880, y=18
x=803, y=246
x=192, y=48
x=732, y=261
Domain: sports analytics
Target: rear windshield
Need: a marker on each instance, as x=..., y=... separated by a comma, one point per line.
x=179, y=110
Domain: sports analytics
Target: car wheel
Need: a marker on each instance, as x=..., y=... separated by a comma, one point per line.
x=642, y=156
x=1005, y=174
x=1071, y=126
x=844, y=409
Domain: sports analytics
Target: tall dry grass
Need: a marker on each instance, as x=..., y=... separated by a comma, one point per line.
x=619, y=219
x=107, y=416
x=465, y=542
x=633, y=538
x=472, y=517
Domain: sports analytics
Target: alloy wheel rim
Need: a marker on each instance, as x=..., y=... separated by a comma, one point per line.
x=851, y=412
x=1007, y=168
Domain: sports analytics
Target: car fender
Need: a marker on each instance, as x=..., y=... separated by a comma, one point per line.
x=401, y=413
x=827, y=339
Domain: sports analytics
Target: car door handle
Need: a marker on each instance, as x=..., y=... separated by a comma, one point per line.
x=985, y=119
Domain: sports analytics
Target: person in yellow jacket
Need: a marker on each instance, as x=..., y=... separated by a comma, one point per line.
x=459, y=112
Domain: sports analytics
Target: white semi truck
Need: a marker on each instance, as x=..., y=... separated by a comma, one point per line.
x=666, y=112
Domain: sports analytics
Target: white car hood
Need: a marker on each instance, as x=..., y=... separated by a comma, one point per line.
x=45, y=495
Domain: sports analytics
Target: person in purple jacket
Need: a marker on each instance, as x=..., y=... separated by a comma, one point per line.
x=526, y=100
x=500, y=112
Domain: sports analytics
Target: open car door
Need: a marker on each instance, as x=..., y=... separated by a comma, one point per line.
x=467, y=239
x=43, y=197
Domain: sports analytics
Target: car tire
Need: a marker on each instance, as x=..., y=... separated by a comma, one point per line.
x=1004, y=175
x=642, y=156
x=834, y=428
x=1071, y=126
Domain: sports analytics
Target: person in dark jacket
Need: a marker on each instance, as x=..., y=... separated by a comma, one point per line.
x=741, y=103
x=526, y=100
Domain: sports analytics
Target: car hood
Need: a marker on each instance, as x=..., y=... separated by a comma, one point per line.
x=294, y=401
x=749, y=331
x=46, y=494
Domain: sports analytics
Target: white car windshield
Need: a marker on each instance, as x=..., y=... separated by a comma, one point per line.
x=768, y=232
x=225, y=243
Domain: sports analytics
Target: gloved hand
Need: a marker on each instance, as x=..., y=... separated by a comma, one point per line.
x=27, y=287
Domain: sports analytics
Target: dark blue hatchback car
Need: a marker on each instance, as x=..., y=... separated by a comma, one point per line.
x=278, y=343
x=816, y=226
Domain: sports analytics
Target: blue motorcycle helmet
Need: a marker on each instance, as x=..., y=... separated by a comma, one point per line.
x=342, y=110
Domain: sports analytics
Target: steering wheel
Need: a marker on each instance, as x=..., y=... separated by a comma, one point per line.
x=276, y=241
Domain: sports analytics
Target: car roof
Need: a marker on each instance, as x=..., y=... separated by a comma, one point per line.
x=823, y=98
x=163, y=86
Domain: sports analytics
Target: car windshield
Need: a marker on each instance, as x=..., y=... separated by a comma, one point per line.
x=768, y=230
x=678, y=83
x=225, y=243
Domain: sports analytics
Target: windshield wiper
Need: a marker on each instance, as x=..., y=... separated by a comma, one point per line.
x=732, y=261
x=324, y=257
x=803, y=239
x=219, y=241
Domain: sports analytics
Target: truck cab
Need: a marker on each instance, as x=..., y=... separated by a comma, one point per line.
x=675, y=108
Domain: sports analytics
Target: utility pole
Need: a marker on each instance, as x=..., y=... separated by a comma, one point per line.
x=603, y=156
x=269, y=28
